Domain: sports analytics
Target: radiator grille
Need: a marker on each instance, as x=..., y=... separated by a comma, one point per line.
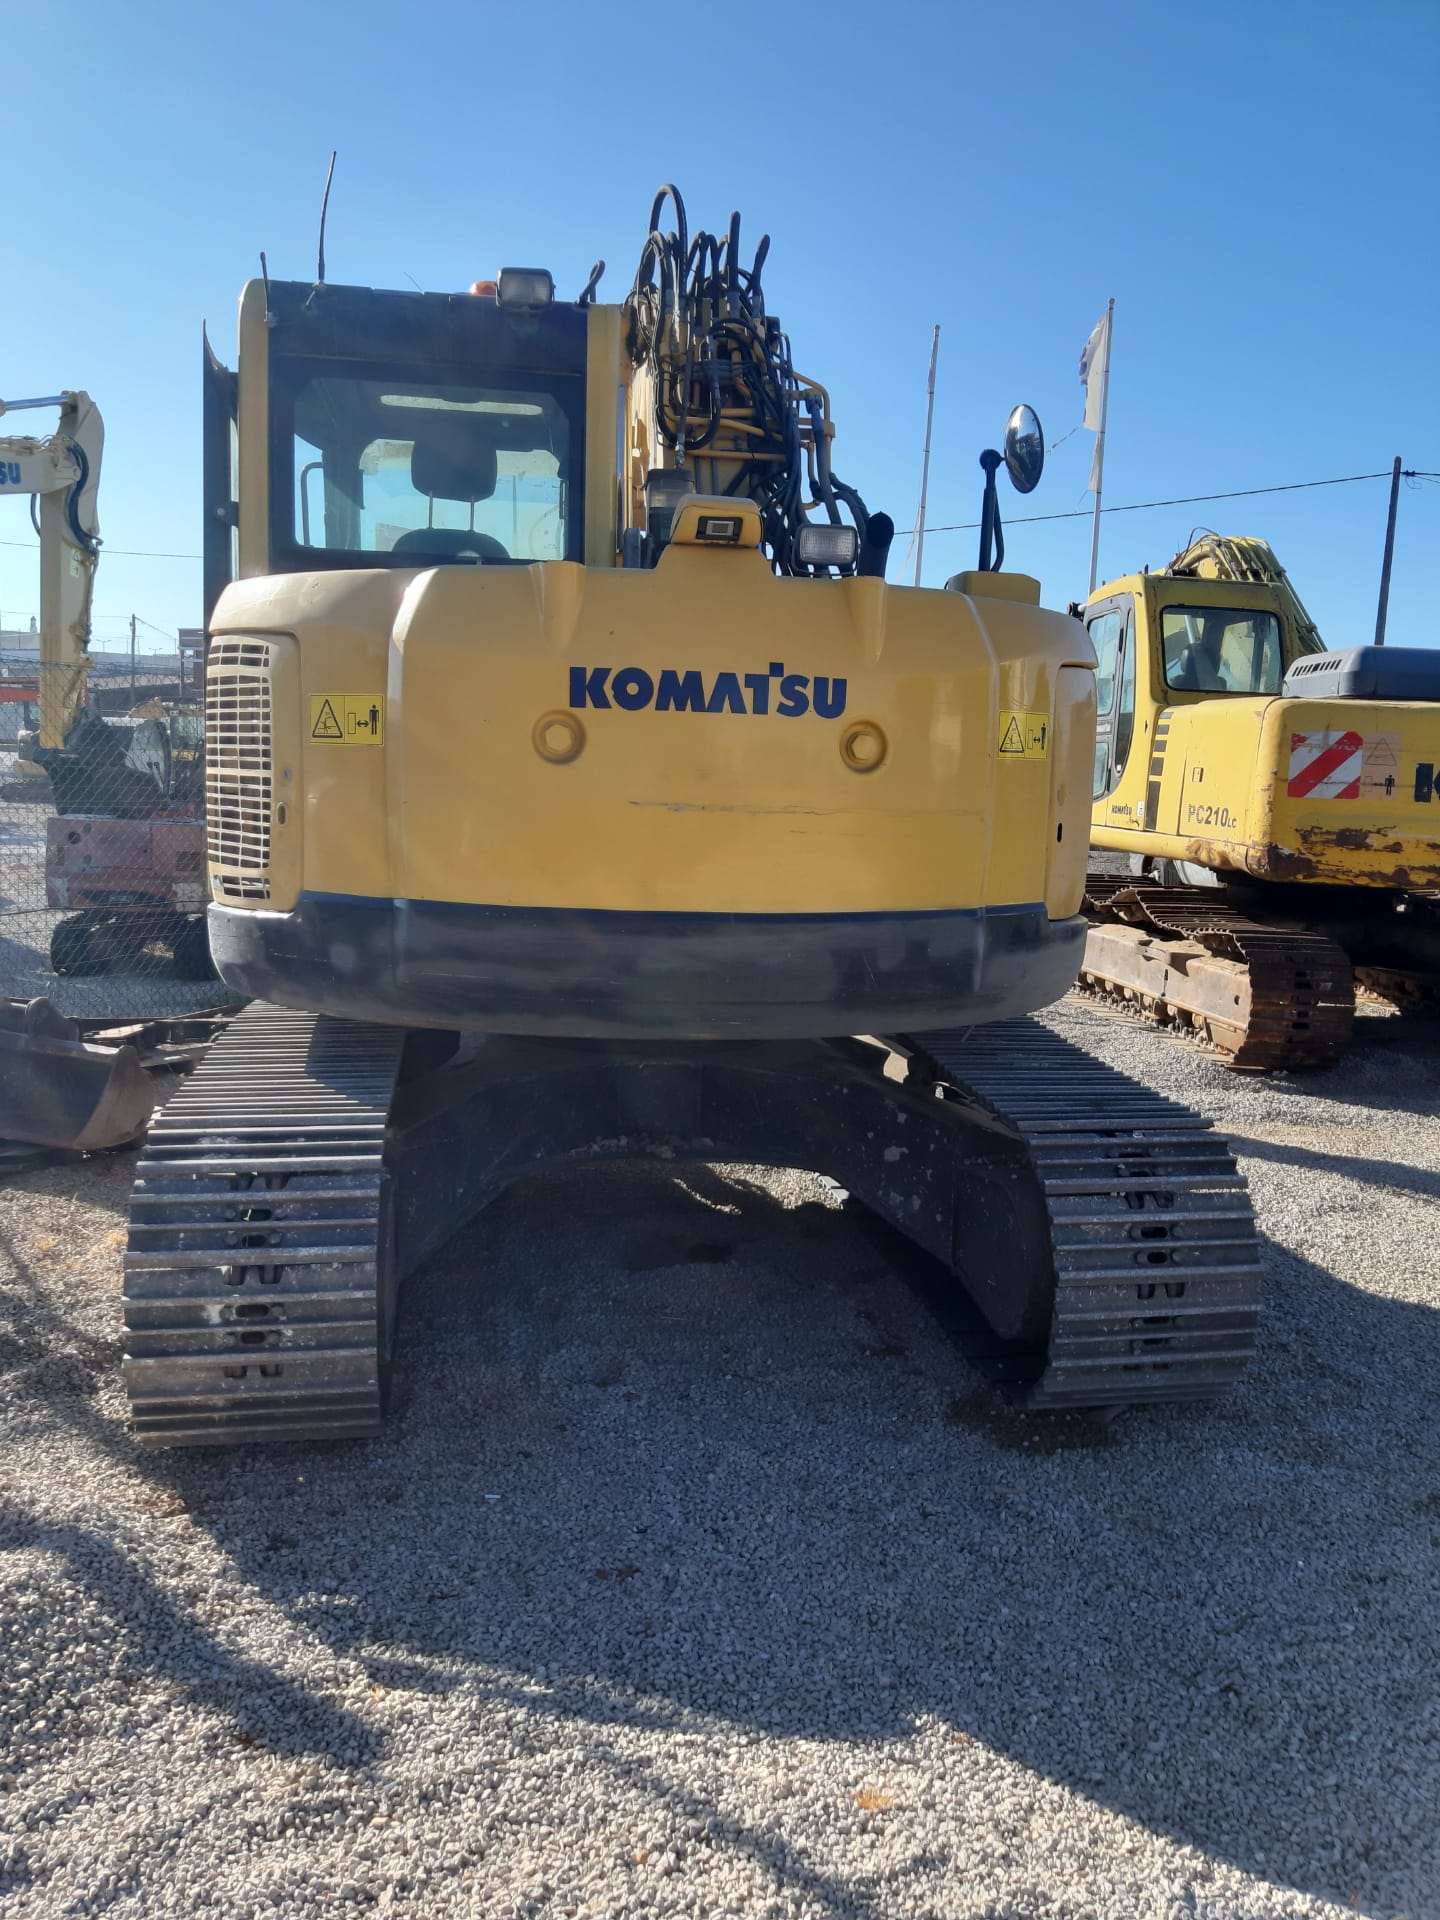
x=238, y=768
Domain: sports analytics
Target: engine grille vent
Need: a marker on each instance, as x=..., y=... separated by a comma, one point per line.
x=238, y=769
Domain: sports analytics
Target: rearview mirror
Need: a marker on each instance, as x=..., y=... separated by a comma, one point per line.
x=1024, y=449
x=1024, y=461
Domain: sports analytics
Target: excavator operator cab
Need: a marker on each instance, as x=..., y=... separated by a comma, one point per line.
x=1163, y=642
x=400, y=431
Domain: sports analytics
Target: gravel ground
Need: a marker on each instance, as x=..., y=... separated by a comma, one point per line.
x=696, y=1574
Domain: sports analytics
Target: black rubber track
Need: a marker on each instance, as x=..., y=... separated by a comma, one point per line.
x=260, y=1273
x=1157, y=1256
x=257, y=1276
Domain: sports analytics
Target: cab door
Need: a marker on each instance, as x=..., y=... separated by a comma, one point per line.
x=1111, y=626
x=218, y=472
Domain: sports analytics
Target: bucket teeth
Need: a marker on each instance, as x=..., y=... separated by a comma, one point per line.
x=253, y=1271
x=1156, y=1251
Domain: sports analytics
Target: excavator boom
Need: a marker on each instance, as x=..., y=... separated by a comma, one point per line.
x=61, y=474
x=1236, y=558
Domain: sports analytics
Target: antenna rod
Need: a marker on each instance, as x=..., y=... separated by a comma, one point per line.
x=324, y=209
x=925, y=463
x=1384, y=607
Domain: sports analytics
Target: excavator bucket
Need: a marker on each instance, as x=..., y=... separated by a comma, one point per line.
x=60, y=1090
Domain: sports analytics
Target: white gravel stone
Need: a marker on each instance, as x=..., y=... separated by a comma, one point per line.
x=776, y=1612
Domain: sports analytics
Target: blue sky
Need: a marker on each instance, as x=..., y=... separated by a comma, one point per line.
x=1256, y=185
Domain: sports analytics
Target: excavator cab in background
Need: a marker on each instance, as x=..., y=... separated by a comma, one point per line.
x=575, y=787
x=1276, y=802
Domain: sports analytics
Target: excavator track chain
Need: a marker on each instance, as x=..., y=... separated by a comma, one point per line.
x=259, y=1274
x=1401, y=989
x=1263, y=998
x=265, y=1247
x=1156, y=1250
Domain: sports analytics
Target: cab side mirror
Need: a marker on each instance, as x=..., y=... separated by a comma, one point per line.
x=1024, y=460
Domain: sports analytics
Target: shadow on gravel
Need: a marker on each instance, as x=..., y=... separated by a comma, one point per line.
x=1391, y=1066
x=51, y=1366
x=262, y=1708
x=1392, y=1063
x=708, y=1464
x=1394, y=1177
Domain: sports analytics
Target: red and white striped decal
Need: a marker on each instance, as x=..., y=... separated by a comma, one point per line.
x=1326, y=766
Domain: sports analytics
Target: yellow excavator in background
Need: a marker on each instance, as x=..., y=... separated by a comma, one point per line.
x=124, y=846
x=94, y=764
x=576, y=786
x=60, y=474
x=1278, y=805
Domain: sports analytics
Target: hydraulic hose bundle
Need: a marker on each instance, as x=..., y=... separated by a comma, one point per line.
x=727, y=391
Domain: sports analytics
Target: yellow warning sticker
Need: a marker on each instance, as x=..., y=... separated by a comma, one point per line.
x=349, y=719
x=1023, y=736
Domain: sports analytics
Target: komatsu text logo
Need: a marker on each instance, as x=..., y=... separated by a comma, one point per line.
x=687, y=691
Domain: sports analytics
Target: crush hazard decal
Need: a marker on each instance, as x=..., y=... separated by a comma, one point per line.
x=348, y=719
x=1023, y=735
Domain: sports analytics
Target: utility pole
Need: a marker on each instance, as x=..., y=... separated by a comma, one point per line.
x=1384, y=606
x=925, y=463
x=132, y=659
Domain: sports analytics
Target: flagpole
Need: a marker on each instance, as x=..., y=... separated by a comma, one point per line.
x=925, y=464
x=1100, y=445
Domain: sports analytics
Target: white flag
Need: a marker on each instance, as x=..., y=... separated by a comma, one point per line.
x=1093, y=360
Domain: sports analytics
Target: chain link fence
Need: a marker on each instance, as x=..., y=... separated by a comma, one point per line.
x=102, y=841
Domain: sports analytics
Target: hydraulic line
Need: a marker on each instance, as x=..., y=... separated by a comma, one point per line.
x=726, y=385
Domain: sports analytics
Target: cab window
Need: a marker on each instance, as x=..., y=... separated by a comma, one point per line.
x=399, y=468
x=1221, y=650
x=1105, y=638
x=1125, y=712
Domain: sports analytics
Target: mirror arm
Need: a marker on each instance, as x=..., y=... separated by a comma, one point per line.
x=990, y=530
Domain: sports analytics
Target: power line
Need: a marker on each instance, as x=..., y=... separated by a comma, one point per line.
x=1187, y=500
x=109, y=553
x=960, y=526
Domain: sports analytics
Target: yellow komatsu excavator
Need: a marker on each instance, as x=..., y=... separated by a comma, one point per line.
x=576, y=786
x=1278, y=805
